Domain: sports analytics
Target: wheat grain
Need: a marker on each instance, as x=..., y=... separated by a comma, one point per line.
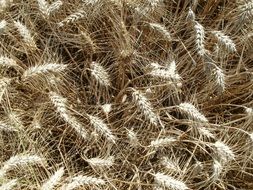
x=101, y=126
x=163, y=142
x=200, y=37
x=20, y=161
x=192, y=112
x=169, y=182
x=81, y=180
x=101, y=163
x=225, y=41
x=162, y=29
x=60, y=103
x=145, y=106
x=45, y=69
x=223, y=151
x=9, y=185
x=25, y=33
x=100, y=74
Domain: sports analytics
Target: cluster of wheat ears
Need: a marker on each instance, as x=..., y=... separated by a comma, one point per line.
x=126, y=94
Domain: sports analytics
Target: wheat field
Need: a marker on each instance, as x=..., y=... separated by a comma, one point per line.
x=126, y=94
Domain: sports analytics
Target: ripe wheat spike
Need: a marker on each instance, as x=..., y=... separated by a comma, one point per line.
x=20, y=161
x=200, y=38
x=100, y=74
x=225, y=41
x=82, y=180
x=102, y=127
x=169, y=182
x=25, y=34
x=9, y=185
x=144, y=106
x=53, y=180
x=192, y=112
x=60, y=104
x=223, y=151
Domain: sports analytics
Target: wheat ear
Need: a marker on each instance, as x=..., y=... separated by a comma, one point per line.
x=45, y=69
x=169, y=182
x=4, y=83
x=53, y=180
x=6, y=127
x=4, y=4
x=81, y=180
x=192, y=112
x=162, y=29
x=166, y=73
x=90, y=2
x=101, y=163
x=246, y=10
x=20, y=161
x=43, y=6
x=54, y=7
x=200, y=37
x=3, y=24
x=74, y=17
x=220, y=78
x=225, y=41
x=7, y=62
x=170, y=165
x=101, y=126
x=25, y=33
x=9, y=185
x=163, y=142
x=60, y=103
x=223, y=151
x=144, y=106
x=133, y=140
x=217, y=169
x=100, y=74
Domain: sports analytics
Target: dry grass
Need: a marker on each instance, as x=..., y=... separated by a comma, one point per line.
x=126, y=94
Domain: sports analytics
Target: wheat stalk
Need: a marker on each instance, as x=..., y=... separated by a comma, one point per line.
x=223, y=151
x=100, y=74
x=20, y=161
x=45, y=69
x=26, y=34
x=101, y=126
x=162, y=29
x=53, y=180
x=82, y=180
x=9, y=185
x=144, y=106
x=101, y=163
x=169, y=182
x=163, y=142
x=60, y=103
x=192, y=112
